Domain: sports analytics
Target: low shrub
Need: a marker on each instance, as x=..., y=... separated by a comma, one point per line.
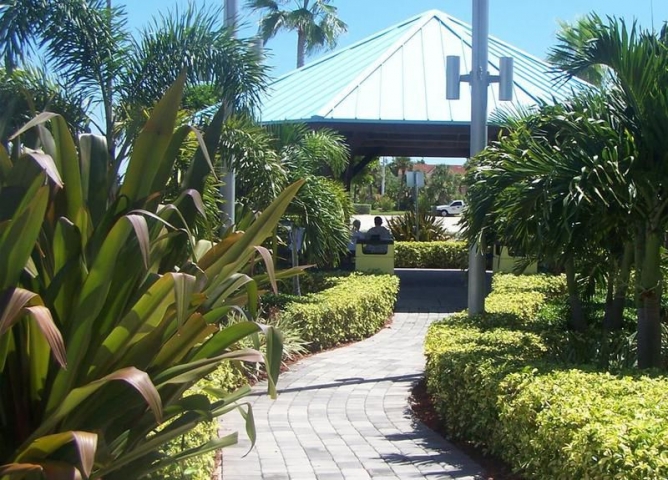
x=550, y=285
x=585, y=424
x=385, y=203
x=449, y=254
x=355, y=308
x=501, y=381
x=313, y=281
x=464, y=369
x=362, y=208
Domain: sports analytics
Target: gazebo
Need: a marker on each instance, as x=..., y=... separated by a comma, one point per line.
x=386, y=94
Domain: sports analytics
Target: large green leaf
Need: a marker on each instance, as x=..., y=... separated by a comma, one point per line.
x=18, y=471
x=18, y=240
x=95, y=181
x=66, y=158
x=44, y=321
x=90, y=303
x=85, y=444
x=137, y=379
x=192, y=332
x=260, y=230
x=189, y=373
x=144, y=317
x=273, y=357
x=152, y=143
x=225, y=338
x=172, y=153
x=212, y=445
x=5, y=164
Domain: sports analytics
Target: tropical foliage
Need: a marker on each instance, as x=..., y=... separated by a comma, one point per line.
x=582, y=185
x=269, y=158
x=577, y=36
x=90, y=54
x=417, y=227
x=110, y=309
x=315, y=21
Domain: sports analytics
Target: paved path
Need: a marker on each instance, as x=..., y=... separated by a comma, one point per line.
x=343, y=414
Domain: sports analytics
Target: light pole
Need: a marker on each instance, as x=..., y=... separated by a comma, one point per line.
x=228, y=190
x=479, y=79
x=479, y=82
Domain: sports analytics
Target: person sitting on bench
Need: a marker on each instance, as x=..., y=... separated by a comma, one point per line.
x=377, y=238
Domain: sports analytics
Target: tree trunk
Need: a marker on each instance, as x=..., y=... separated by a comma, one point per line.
x=649, y=312
x=615, y=314
x=577, y=314
x=301, y=47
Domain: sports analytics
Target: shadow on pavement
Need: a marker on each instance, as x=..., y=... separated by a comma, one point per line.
x=436, y=291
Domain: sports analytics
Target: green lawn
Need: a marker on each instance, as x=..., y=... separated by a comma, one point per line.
x=391, y=212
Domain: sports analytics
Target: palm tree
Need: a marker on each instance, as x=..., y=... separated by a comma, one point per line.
x=315, y=21
x=577, y=36
x=323, y=207
x=89, y=48
x=25, y=92
x=638, y=62
x=554, y=187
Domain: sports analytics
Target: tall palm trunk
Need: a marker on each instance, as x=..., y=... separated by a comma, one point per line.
x=577, y=314
x=108, y=102
x=614, y=314
x=649, y=309
x=301, y=47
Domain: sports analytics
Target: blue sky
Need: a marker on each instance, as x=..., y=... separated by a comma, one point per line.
x=527, y=24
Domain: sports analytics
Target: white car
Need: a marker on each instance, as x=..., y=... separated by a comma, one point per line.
x=454, y=208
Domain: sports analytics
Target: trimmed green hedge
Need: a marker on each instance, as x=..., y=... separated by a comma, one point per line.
x=495, y=382
x=448, y=254
x=356, y=307
x=362, y=208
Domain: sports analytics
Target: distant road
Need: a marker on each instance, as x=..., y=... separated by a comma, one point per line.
x=450, y=223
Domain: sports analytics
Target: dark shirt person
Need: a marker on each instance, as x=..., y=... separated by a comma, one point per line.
x=377, y=233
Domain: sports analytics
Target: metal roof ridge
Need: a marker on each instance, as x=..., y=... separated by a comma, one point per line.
x=421, y=19
x=336, y=53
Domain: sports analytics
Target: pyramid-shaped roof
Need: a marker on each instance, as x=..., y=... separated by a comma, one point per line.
x=398, y=75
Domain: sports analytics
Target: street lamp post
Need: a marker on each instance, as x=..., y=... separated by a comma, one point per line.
x=479, y=78
x=479, y=82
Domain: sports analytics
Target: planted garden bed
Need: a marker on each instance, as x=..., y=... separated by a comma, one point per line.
x=506, y=381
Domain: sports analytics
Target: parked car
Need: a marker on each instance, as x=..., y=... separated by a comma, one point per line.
x=453, y=208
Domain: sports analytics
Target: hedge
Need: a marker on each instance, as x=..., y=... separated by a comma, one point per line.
x=448, y=254
x=495, y=382
x=362, y=208
x=356, y=307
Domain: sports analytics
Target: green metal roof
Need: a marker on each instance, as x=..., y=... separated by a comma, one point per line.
x=398, y=75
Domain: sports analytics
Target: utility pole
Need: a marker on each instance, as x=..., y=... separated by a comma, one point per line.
x=228, y=190
x=383, y=163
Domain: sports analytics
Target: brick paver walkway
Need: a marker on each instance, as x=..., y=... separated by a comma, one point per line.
x=343, y=414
